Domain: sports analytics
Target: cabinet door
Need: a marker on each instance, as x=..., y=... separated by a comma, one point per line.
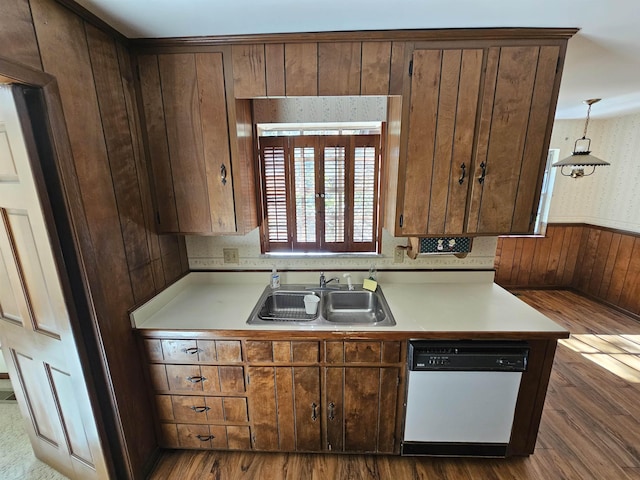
x=361, y=405
x=187, y=129
x=518, y=104
x=442, y=116
x=284, y=408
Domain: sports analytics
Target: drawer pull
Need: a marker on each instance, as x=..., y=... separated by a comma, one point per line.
x=200, y=409
x=314, y=412
x=205, y=438
x=196, y=379
x=332, y=407
x=192, y=350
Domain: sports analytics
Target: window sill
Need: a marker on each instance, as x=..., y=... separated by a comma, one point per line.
x=285, y=255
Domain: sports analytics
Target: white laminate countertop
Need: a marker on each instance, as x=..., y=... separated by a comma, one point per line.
x=419, y=301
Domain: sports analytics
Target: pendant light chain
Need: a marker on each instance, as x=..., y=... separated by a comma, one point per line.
x=586, y=122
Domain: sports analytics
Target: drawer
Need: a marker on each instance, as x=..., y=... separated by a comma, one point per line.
x=201, y=409
x=197, y=378
x=361, y=351
x=298, y=351
x=205, y=436
x=192, y=351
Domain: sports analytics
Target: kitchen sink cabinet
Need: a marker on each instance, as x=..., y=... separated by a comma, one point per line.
x=308, y=394
x=477, y=129
x=346, y=402
x=304, y=391
x=199, y=144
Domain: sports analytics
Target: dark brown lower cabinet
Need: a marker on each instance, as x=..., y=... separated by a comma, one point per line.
x=284, y=405
x=361, y=405
x=357, y=413
x=299, y=395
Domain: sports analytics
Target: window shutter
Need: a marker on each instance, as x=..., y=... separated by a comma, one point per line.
x=334, y=193
x=364, y=193
x=275, y=190
x=305, y=193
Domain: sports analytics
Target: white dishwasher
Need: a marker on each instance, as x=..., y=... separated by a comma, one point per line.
x=461, y=396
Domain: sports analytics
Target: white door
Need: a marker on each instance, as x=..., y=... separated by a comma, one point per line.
x=37, y=342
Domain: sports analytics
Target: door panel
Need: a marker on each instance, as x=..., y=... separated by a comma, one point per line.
x=306, y=381
x=43, y=304
x=334, y=381
x=35, y=330
x=37, y=399
x=442, y=116
x=262, y=404
x=11, y=306
x=67, y=407
x=361, y=397
x=516, y=110
x=286, y=409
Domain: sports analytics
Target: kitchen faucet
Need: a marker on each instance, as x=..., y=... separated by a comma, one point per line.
x=323, y=281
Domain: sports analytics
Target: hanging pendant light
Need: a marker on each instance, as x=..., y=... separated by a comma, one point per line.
x=581, y=156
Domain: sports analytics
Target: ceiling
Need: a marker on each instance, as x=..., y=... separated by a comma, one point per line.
x=603, y=58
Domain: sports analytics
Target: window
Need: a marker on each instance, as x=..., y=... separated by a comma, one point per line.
x=320, y=193
x=545, y=195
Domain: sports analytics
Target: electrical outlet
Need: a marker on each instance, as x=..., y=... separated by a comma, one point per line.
x=398, y=254
x=230, y=255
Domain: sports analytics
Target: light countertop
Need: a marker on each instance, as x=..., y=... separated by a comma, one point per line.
x=419, y=301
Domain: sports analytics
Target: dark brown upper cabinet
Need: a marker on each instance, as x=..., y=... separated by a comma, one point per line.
x=475, y=132
x=470, y=114
x=518, y=106
x=199, y=144
x=442, y=116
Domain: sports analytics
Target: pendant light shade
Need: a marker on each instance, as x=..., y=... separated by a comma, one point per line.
x=581, y=156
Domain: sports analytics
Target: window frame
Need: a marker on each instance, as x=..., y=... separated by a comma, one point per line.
x=319, y=142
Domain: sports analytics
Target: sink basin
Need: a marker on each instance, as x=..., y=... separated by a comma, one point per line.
x=336, y=307
x=353, y=307
x=285, y=306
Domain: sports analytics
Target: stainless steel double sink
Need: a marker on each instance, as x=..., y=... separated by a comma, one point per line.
x=285, y=305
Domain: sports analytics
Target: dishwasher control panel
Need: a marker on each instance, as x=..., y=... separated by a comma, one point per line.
x=468, y=355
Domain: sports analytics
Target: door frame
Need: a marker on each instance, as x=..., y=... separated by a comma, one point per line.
x=42, y=119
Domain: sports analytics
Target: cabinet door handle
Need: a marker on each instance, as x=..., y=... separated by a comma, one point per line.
x=200, y=409
x=205, y=438
x=463, y=167
x=332, y=406
x=483, y=166
x=192, y=350
x=314, y=412
x=223, y=174
x=196, y=379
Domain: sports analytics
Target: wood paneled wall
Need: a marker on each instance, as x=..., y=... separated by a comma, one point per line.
x=130, y=262
x=317, y=68
x=597, y=261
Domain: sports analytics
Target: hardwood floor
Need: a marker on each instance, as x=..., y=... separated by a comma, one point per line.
x=590, y=427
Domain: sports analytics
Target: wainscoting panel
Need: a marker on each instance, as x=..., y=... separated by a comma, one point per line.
x=599, y=262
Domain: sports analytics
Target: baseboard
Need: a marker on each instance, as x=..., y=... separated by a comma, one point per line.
x=534, y=287
x=4, y=376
